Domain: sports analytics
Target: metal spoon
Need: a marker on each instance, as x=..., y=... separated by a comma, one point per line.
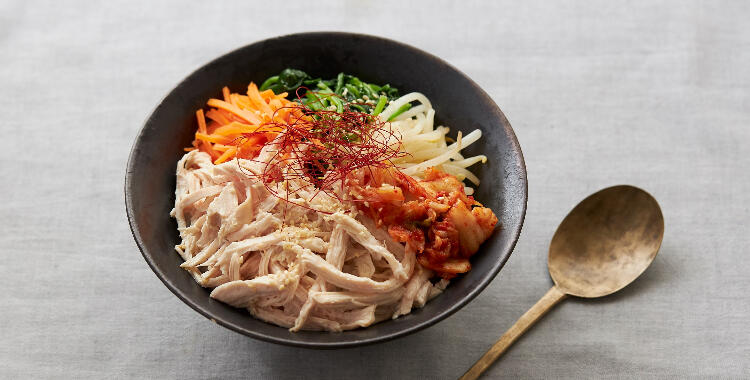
x=601, y=246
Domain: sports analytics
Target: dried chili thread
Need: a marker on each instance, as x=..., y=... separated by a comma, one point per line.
x=322, y=147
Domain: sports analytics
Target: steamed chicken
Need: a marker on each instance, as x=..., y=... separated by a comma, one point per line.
x=334, y=211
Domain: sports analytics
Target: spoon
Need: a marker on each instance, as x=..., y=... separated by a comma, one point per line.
x=601, y=246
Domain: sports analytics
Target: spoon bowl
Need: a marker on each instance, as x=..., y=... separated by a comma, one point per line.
x=600, y=247
x=606, y=242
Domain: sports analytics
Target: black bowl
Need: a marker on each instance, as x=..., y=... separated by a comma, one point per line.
x=458, y=102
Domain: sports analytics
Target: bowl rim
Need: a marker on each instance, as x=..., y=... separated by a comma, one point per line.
x=438, y=317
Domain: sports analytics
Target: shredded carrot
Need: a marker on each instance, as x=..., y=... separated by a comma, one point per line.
x=226, y=156
x=241, y=124
x=200, y=144
x=257, y=100
x=201, y=121
x=216, y=139
x=217, y=117
x=248, y=116
x=235, y=128
x=275, y=103
x=269, y=94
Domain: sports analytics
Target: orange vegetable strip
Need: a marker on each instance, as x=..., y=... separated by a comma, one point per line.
x=201, y=121
x=214, y=154
x=235, y=128
x=213, y=138
x=243, y=102
x=251, y=145
x=254, y=95
x=270, y=128
x=230, y=116
x=239, y=120
x=282, y=115
x=270, y=136
x=268, y=94
x=275, y=104
x=226, y=156
x=243, y=114
x=202, y=145
x=217, y=116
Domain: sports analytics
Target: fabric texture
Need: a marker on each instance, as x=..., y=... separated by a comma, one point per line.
x=653, y=94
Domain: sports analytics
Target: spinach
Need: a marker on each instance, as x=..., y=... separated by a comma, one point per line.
x=346, y=88
x=287, y=81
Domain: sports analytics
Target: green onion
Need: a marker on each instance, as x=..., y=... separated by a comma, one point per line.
x=399, y=111
x=381, y=104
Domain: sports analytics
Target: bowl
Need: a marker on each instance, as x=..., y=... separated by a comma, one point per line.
x=459, y=103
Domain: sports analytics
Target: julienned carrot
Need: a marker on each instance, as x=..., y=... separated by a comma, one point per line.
x=226, y=93
x=257, y=100
x=201, y=144
x=251, y=146
x=241, y=124
x=201, y=121
x=240, y=128
x=243, y=114
x=235, y=128
x=226, y=155
x=218, y=116
x=269, y=94
x=216, y=139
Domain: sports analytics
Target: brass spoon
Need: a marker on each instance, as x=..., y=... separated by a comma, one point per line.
x=601, y=246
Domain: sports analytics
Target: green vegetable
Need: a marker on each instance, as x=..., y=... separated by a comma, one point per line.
x=351, y=137
x=353, y=90
x=399, y=111
x=270, y=81
x=389, y=91
x=313, y=101
x=342, y=91
x=358, y=107
x=381, y=104
x=339, y=82
x=288, y=80
x=324, y=89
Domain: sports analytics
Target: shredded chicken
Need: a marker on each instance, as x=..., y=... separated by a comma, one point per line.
x=284, y=262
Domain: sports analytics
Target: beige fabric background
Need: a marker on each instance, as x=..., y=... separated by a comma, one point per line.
x=655, y=94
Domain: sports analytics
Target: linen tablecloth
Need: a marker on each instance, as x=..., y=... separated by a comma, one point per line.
x=653, y=94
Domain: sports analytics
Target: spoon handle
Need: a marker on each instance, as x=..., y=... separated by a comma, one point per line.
x=553, y=296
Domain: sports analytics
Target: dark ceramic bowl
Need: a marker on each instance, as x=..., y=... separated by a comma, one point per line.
x=458, y=102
